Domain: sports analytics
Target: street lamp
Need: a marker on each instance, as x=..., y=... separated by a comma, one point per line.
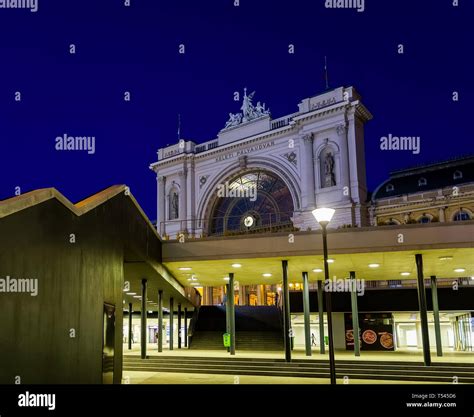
x=323, y=216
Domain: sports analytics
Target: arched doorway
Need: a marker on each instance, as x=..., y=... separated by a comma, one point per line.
x=255, y=201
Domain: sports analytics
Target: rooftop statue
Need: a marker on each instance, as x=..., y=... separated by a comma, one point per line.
x=249, y=111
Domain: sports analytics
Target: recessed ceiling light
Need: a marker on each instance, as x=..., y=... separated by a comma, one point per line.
x=374, y=265
x=291, y=285
x=236, y=265
x=131, y=293
x=459, y=270
x=445, y=258
x=330, y=261
x=405, y=274
x=137, y=296
x=226, y=278
x=267, y=275
x=185, y=268
x=317, y=270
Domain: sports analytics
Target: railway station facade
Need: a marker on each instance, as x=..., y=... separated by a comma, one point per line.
x=236, y=250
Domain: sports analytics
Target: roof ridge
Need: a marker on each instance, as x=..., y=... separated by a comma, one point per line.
x=433, y=164
x=32, y=198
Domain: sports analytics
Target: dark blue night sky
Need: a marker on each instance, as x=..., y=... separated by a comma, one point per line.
x=227, y=48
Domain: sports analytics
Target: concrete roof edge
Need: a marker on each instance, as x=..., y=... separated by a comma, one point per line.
x=18, y=203
x=21, y=202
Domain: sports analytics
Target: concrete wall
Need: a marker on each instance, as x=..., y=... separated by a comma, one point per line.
x=342, y=241
x=75, y=280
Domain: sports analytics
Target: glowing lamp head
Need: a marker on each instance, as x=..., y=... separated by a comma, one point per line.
x=323, y=215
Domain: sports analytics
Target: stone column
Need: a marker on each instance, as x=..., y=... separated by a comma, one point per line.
x=261, y=295
x=182, y=199
x=242, y=295
x=191, y=195
x=208, y=296
x=345, y=160
x=161, y=215
x=442, y=214
x=307, y=174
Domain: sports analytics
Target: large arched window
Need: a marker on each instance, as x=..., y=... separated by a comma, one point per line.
x=258, y=201
x=424, y=219
x=461, y=215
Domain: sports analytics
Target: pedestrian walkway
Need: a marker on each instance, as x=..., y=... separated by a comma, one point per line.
x=401, y=355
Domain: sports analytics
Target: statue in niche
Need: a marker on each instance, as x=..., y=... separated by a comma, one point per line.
x=174, y=205
x=329, y=177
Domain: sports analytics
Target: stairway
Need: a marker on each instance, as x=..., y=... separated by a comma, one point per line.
x=258, y=328
x=372, y=370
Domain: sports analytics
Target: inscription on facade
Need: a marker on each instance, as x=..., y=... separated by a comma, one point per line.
x=245, y=151
x=323, y=103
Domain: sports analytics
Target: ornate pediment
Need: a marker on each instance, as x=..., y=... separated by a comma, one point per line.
x=249, y=112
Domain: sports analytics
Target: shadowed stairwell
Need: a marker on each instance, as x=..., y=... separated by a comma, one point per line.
x=257, y=328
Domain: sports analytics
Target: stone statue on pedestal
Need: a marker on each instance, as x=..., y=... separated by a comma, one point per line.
x=329, y=178
x=174, y=206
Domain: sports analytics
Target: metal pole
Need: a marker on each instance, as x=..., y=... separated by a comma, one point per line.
x=307, y=316
x=130, y=332
x=171, y=322
x=185, y=327
x=232, y=314
x=322, y=347
x=434, y=297
x=355, y=315
x=143, y=321
x=179, y=326
x=332, y=362
x=423, y=310
x=286, y=312
x=227, y=311
x=160, y=321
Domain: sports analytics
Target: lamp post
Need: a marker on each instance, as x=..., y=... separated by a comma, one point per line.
x=323, y=216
